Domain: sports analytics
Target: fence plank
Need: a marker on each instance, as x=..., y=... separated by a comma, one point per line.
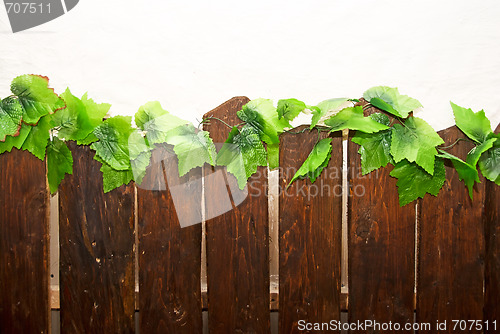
x=237, y=242
x=96, y=233
x=169, y=256
x=492, y=259
x=310, y=235
x=24, y=242
x=381, y=246
x=451, y=244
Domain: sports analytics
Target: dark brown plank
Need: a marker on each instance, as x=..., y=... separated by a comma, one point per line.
x=24, y=244
x=310, y=235
x=237, y=242
x=381, y=246
x=96, y=233
x=451, y=249
x=169, y=256
x=492, y=259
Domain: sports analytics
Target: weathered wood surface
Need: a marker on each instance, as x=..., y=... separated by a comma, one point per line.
x=96, y=233
x=169, y=256
x=310, y=235
x=451, y=248
x=237, y=241
x=381, y=246
x=24, y=244
x=492, y=258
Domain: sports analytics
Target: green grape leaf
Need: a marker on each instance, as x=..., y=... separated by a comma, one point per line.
x=263, y=117
x=381, y=118
x=59, y=163
x=112, y=178
x=18, y=141
x=156, y=121
x=273, y=155
x=139, y=166
x=466, y=172
x=193, y=147
x=289, y=109
x=375, y=149
x=325, y=110
x=489, y=163
x=95, y=111
x=38, y=138
x=475, y=125
x=79, y=118
x=113, y=144
x=389, y=99
x=415, y=141
x=36, y=97
x=474, y=154
x=72, y=122
x=140, y=155
x=414, y=181
x=137, y=145
x=352, y=118
x=91, y=138
x=242, y=153
x=11, y=115
x=317, y=172
x=316, y=161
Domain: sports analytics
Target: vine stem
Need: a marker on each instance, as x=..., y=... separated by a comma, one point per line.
x=401, y=121
x=322, y=128
x=220, y=120
x=450, y=146
x=296, y=132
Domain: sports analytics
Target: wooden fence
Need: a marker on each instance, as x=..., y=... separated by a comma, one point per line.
x=434, y=260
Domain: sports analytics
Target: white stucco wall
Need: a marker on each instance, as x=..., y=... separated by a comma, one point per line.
x=194, y=55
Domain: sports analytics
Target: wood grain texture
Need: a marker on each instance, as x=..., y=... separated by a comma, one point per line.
x=451, y=248
x=381, y=246
x=24, y=244
x=169, y=256
x=96, y=233
x=237, y=241
x=492, y=258
x=310, y=235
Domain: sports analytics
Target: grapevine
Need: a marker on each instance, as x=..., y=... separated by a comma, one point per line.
x=36, y=119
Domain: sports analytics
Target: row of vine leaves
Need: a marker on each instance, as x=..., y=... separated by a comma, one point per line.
x=36, y=119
